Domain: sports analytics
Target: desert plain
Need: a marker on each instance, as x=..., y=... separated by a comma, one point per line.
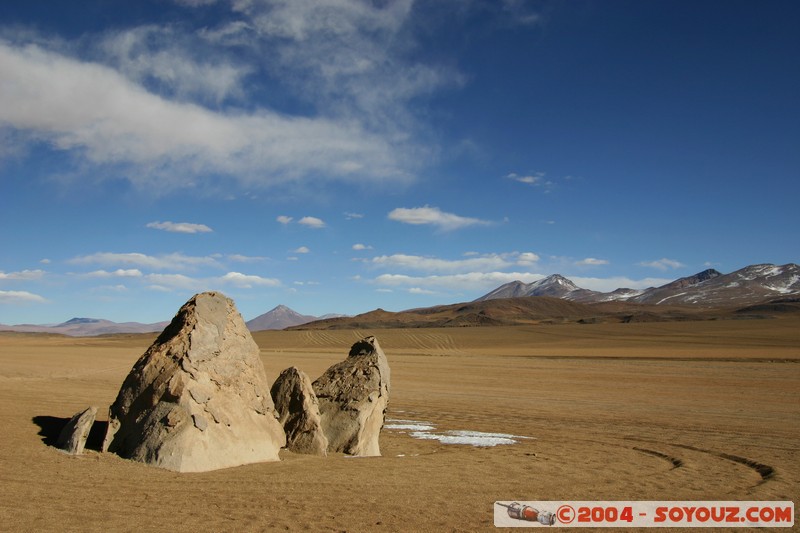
x=698, y=410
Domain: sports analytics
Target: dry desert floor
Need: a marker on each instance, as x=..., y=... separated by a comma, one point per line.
x=659, y=411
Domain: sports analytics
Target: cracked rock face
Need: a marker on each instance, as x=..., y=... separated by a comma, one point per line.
x=298, y=411
x=198, y=399
x=353, y=396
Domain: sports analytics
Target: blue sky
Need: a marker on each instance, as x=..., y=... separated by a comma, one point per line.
x=342, y=155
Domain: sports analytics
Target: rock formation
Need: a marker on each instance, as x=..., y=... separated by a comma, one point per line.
x=198, y=399
x=298, y=412
x=72, y=438
x=353, y=396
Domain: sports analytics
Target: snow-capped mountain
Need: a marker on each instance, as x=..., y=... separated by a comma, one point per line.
x=556, y=286
x=750, y=285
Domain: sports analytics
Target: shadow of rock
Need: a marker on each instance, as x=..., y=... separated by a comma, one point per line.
x=50, y=427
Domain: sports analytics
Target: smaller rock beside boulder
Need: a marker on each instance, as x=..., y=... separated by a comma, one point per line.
x=298, y=412
x=353, y=396
x=72, y=438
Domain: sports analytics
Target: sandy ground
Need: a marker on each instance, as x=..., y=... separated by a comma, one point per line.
x=671, y=411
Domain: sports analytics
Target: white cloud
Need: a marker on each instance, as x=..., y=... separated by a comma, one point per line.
x=486, y=281
x=347, y=56
x=45, y=261
x=618, y=282
x=359, y=246
x=168, y=282
x=311, y=222
x=98, y=114
x=435, y=217
x=527, y=258
x=473, y=262
x=419, y=290
x=244, y=258
x=110, y=288
x=119, y=273
x=164, y=54
x=283, y=219
x=520, y=13
x=180, y=227
x=302, y=250
x=24, y=275
x=662, y=264
x=162, y=262
x=535, y=180
x=351, y=216
x=20, y=297
x=245, y=281
x=471, y=281
x=591, y=261
x=432, y=264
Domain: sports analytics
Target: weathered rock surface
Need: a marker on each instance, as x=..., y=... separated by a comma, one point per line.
x=72, y=438
x=198, y=399
x=298, y=412
x=353, y=396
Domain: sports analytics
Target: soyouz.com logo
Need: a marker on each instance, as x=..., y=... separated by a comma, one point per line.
x=644, y=514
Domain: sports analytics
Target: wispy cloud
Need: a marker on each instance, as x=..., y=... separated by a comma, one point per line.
x=239, y=258
x=170, y=57
x=521, y=13
x=119, y=273
x=283, y=219
x=175, y=261
x=420, y=290
x=170, y=282
x=432, y=264
x=471, y=281
x=353, y=216
x=245, y=281
x=591, y=261
x=663, y=264
x=617, y=282
x=20, y=297
x=526, y=258
x=180, y=227
x=536, y=179
x=359, y=247
x=164, y=144
x=302, y=250
x=434, y=216
x=472, y=263
x=23, y=275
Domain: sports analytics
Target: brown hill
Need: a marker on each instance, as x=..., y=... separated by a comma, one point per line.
x=546, y=310
x=509, y=312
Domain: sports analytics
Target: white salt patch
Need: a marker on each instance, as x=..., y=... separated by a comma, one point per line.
x=424, y=430
x=410, y=427
x=471, y=438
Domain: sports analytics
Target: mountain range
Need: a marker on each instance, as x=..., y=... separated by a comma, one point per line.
x=748, y=286
x=752, y=291
x=756, y=291
x=87, y=327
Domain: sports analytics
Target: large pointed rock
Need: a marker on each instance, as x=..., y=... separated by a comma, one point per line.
x=353, y=396
x=198, y=399
x=72, y=438
x=298, y=412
